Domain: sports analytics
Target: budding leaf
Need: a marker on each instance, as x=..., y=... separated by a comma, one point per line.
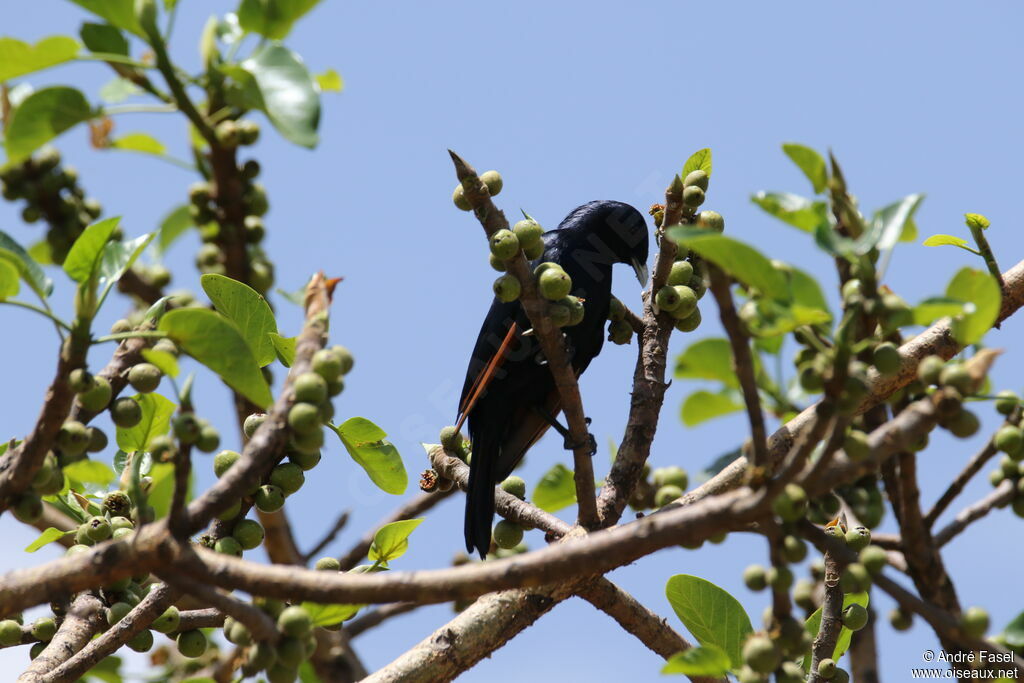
x=951, y=240
x=329, y=615
x=555, y=490
x=86, y=253
x=698, y=161
x=143, y=143
x=976, y=220
x=800, y=212
x=711, y=614
x=979, y=288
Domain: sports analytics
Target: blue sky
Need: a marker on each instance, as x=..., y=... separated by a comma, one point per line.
x=573, y=102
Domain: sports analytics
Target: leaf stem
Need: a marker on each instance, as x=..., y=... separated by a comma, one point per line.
x=41, y=311
x=985, y=251
x=140, y=109
x=145, y=334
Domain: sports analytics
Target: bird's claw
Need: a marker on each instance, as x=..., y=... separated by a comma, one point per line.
x=589, y=441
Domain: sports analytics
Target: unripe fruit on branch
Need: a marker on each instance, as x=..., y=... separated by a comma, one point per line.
x=974, y=622
x=493, y=181
x=97, y=396
x=507, y=288
x=690, y=322
x=515, y=486
x=507, y=534
x=554, y=283
x=144, y=377
x=696, y=178
x=710, y=220
x=930, y=368
x=126, y=412
x=681, y=273
x=269, y=498
x=249, y=533
x=191, y=643
x=310, y=387
x=294, y=621
x=528, y=232
x=855, y=617
x=886, y=359
x=755, y=577
x=760, y=654
x=504, y=244
x=693, y=196
x=460, y=200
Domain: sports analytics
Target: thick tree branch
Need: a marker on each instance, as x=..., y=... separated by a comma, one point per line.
x=549, y=337
x=824, y=644
x=83, y=620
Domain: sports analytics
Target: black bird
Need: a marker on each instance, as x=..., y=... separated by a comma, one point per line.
x=521, y=401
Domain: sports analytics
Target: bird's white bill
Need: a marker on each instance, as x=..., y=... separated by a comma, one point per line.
x=640, y=269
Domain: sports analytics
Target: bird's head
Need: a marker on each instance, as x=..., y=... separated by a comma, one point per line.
x=610, y=232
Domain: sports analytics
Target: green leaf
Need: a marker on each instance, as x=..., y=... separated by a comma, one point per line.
x=739, y=260
x=805, y=290
x=949, y=240
x=84, y=257
x=44, y=115
x=18, y=58
x=392, y=540
x=329, y=81
x=712, y=615
x=366, y=444
x=247, y=309
x=798, y=211
x=706, y=660
x=287, y=92
x=90, y=472
x=888, y=223
x=164, y=360
x=813, y=624
x=173, y=226
x=555, y=490
x=909, y=233
x=162, y=488
x=120, y=13
x=118, y=257
x=107, y=670
x=810, y=162
x=29, y=270
x=1013, y=634
x=156, y=420
x=699, y=160
x=934, y=308
x=272, y=18
x=979, y=288
x=707, y=359
x=284, y=347
x=143, y=143
x=118, y=90
x=701, y=406
x=49, y=536
x=215, y=342
x=103, y=38
x=10, y=283
x=329, y=615
x=41, y=252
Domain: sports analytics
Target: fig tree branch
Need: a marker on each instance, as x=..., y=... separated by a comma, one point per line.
x=649, y=385
x=998, y=497
x=328, y=538
x=972, y=467
x=85, y=617
x=256, y=620
x=548, y=336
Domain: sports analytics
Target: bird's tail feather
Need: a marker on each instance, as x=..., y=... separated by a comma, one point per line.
x=480, y=493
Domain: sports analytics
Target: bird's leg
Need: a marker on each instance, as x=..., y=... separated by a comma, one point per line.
x=569, y=444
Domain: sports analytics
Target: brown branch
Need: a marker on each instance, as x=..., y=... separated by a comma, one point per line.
x=132, y=284
x=864, y=652
x=375, y=617
x=998, y=497
x=649, y=384
x=256, y=620
x=134, y=623
x=128, y=353
x=955, y=487
x=743, y=366
x=408, y=510
x=279, y=541
x=328, y=538
x=192, y=619
x=83, y=620
x=937, y=339
x=549, y=337
x=177, y=521
x=824, y=644
x=21, y=463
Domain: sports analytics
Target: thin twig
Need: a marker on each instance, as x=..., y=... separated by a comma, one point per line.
x=371, y=618
x=259, y=623
x=550, y=339
x=328, y=538
x=955, y=487
x=998, y=497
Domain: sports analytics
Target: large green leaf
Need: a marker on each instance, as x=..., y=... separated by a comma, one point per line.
x=118, y=257
x=49, y=536
x=284, y=347
x=392, y=540
x=806, y=291
x=120, y=13
x=247, y=309
x=164, y=360
x=272, y=18
x=90, y=472
x=813, y=624
x=706, y=660
x=366, y=443
x=287, y=91
x=934, y=308
x=555, y=490
x=701, y=406
x=156, y=420
x=10, y=282
x=707, y=359
x=798, y=211
x=329, y=81
x=173, y=226
x=740, y=260
x=698, y=161
x=214, y=341
x=27, y=267
x=103, y=38
x=18, y=58
x=712, y=615
x=980, y=289
x=42, y=116
x=86, y=253
x=810, y=162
